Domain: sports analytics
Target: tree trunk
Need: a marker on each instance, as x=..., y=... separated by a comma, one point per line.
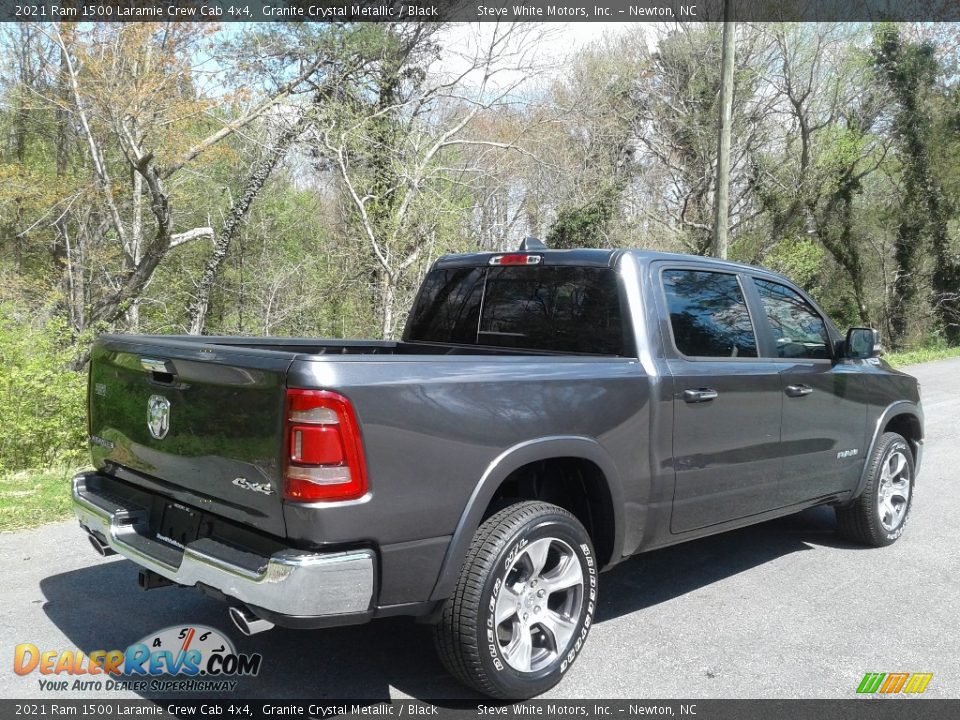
x=721, y=217
x=136, y=242
x=905, y=282
x=200, y=306
x=62, y=118
x=388, y=295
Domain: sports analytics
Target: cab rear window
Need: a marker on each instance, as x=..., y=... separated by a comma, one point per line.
x=551, y=308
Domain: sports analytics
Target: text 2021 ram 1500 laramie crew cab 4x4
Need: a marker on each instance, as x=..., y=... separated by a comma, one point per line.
x=546, y=415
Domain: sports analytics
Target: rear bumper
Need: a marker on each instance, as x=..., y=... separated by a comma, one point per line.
x=290, y=582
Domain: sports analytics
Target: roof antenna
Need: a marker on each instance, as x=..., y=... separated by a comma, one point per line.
x=531, y=243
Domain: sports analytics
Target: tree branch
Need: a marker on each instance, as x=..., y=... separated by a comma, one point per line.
x=232, y=127
x=185, y=237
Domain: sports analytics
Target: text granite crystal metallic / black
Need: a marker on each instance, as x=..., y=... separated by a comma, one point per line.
x=545, y=415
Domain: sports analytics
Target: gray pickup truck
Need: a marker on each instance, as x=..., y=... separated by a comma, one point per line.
x=546, y=415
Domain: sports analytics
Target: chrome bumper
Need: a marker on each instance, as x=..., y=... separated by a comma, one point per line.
x=289, y=582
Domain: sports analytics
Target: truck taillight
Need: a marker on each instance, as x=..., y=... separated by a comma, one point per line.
x=516, y=259
x=324, y=452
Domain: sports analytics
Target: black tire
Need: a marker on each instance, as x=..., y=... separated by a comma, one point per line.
x=473, y=648
x=864, y=521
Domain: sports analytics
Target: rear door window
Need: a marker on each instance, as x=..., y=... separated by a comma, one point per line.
x=708, y=314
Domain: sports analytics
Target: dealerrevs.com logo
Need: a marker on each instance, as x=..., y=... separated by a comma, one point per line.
x=176, y=659
x=894, y=683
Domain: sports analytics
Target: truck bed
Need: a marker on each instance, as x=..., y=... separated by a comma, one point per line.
x=226, y=421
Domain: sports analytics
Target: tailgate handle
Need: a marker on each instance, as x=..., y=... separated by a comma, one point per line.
x=163, y=370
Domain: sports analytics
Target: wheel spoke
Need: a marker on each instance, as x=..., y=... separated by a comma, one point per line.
x=506, y=606
x=885, y=473
x=566, y=575
x=520, y=649
x=901, y=489
x=560, y=627
x=537, y=552
x=897, y=464
x=888, y=514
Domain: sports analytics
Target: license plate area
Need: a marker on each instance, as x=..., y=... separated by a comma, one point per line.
x=179, y=525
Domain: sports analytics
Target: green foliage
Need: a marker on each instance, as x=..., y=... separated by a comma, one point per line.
x=925, y=353
x=34, y=497
x=799, y=259
x=910, y=70
x=807, y=263
x=587, y=225
x=42, y=401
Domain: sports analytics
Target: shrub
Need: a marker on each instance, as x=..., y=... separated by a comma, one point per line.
x=42, y=401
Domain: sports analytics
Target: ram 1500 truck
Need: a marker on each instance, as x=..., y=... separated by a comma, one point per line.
x=545, y=415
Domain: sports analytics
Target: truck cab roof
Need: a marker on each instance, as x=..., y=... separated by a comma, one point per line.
x=599, y=257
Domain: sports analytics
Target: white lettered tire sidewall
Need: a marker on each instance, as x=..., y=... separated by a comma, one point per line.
x=902, y=446
x=527, y=684
x=861, y=520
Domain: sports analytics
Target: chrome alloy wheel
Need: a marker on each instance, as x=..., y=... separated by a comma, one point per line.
x=893, y=495
x=538, y=607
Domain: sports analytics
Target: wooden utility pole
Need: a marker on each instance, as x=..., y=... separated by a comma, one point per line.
x=722, y=199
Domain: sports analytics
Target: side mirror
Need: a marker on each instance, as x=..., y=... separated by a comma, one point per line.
x=861, y=344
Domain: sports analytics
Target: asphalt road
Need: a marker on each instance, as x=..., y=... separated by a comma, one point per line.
x=779, y=610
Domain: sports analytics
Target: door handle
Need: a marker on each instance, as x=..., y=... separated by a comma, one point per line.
x=798, y=390
x=700, y=395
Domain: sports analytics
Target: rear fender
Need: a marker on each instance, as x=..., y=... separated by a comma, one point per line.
x=502, y=466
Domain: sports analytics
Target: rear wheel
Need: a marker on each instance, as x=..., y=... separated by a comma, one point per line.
x=523, y=604
x=878, y=517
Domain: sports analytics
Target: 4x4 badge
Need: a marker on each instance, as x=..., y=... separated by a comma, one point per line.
x=158, y=416
x=243, y=483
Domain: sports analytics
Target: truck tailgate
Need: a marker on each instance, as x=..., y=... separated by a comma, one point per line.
x=201, y=422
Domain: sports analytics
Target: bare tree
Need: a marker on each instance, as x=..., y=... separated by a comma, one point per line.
x=256, y=179
x=131, y=92
x=679, y=98
x=391, y=139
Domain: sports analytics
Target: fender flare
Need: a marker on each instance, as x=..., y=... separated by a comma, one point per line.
x=901, y=407
x=498, y=470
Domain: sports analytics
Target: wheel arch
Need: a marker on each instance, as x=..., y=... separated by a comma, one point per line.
x=902, y=417
x=505, y=468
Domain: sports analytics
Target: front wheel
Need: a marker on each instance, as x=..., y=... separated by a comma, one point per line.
x=878, y=516
x=523, y=604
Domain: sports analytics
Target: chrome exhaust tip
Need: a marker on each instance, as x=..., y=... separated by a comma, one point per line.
x=248, y=623
x=102, y=548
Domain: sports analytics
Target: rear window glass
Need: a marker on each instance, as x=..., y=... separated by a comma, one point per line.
x=552, y=308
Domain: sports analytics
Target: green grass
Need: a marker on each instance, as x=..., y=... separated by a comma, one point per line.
x=33, y=497
x=921, y=355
